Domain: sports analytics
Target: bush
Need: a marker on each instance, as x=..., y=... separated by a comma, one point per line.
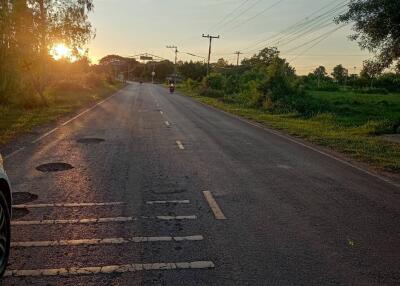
x=253, y=95
x=93, y=80
x=327, y=86
x=68, y=85
x=214, y=81
x=191, y=84
x=110, y=80
x=210, y=92
x=374, y=91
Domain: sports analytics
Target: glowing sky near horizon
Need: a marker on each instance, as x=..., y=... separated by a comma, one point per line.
x=129, y=27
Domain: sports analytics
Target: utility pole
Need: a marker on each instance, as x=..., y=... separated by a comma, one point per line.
x=209, y=50
x=176, y=58
x=238, y=53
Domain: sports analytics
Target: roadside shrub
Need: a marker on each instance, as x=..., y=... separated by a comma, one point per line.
x=68, y=85
x=374, y=91
x=93, y=80
x=254, y=95
x=28, y=100
x=191, y=84
x=110, y=80
x=210, y=92
x=214, y=81
x=327, y=86
x=389, y=81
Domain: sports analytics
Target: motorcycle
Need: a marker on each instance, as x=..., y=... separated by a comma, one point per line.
x=171, y=88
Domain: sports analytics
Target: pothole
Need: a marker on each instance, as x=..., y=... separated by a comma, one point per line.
x=90, y=140
x=23, y=198
x=168, y=192
x=54, y=167
x=19, y=213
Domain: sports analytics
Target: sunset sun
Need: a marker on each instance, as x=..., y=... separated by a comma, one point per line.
x=61, y=51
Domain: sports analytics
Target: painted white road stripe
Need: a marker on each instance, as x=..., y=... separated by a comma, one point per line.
x=89, y=109
x=180, y=145
x=110, y=269
x=98, y=220
x=116, y=240
x=167, y=123
x=214, y=205
x=14, y=153
x=73, y=118
x=161, y=112
x=45, y=135
x=65, y=205
x=168, y=202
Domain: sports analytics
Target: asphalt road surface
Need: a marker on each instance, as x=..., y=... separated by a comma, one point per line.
x=162, y=190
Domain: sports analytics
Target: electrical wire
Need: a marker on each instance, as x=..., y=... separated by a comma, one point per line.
x=240, y=14
x=298, y=26
x=212, y=28
x=255, y=16
x=318, y=40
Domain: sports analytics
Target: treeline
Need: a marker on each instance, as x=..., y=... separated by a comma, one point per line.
x=368, y=81
x=28, y=32
x=131, y=69
x=268, y=81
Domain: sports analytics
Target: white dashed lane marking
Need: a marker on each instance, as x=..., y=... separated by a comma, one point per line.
x=180, y=145
x=99, y=220
x=214, y=205
x=168, y=202
x=65, y=205
x=167, y=123
x=116, y=240
x=110, y=269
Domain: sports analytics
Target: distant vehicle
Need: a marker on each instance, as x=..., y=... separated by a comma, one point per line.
x=140, y=82
x=5, y=218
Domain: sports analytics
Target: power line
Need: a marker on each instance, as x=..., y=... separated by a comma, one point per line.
x=255, y=16
x=309, y=28
x=319, y=39
x=295, y=37
x=298, y=26
x=240, y=14
x=228, y=15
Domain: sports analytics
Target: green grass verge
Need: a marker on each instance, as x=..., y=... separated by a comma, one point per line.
x=15, y=121
x=354, y=137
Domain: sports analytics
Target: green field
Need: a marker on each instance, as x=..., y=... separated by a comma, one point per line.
x=349, y=123
x=15, y=121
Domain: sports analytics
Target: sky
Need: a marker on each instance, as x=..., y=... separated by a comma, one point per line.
x=131, y=27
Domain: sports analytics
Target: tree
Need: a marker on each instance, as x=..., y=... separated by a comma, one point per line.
x=163, y=69
x=371, y=70
x=192, y=70
x=222, y=63
x=264, y=57
x=377, y=28
x=340, y=74
x=320, y=73
x=397, y=68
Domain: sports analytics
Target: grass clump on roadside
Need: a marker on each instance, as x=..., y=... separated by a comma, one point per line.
x=61, y=99
x=347, y=122
x=321, y=109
